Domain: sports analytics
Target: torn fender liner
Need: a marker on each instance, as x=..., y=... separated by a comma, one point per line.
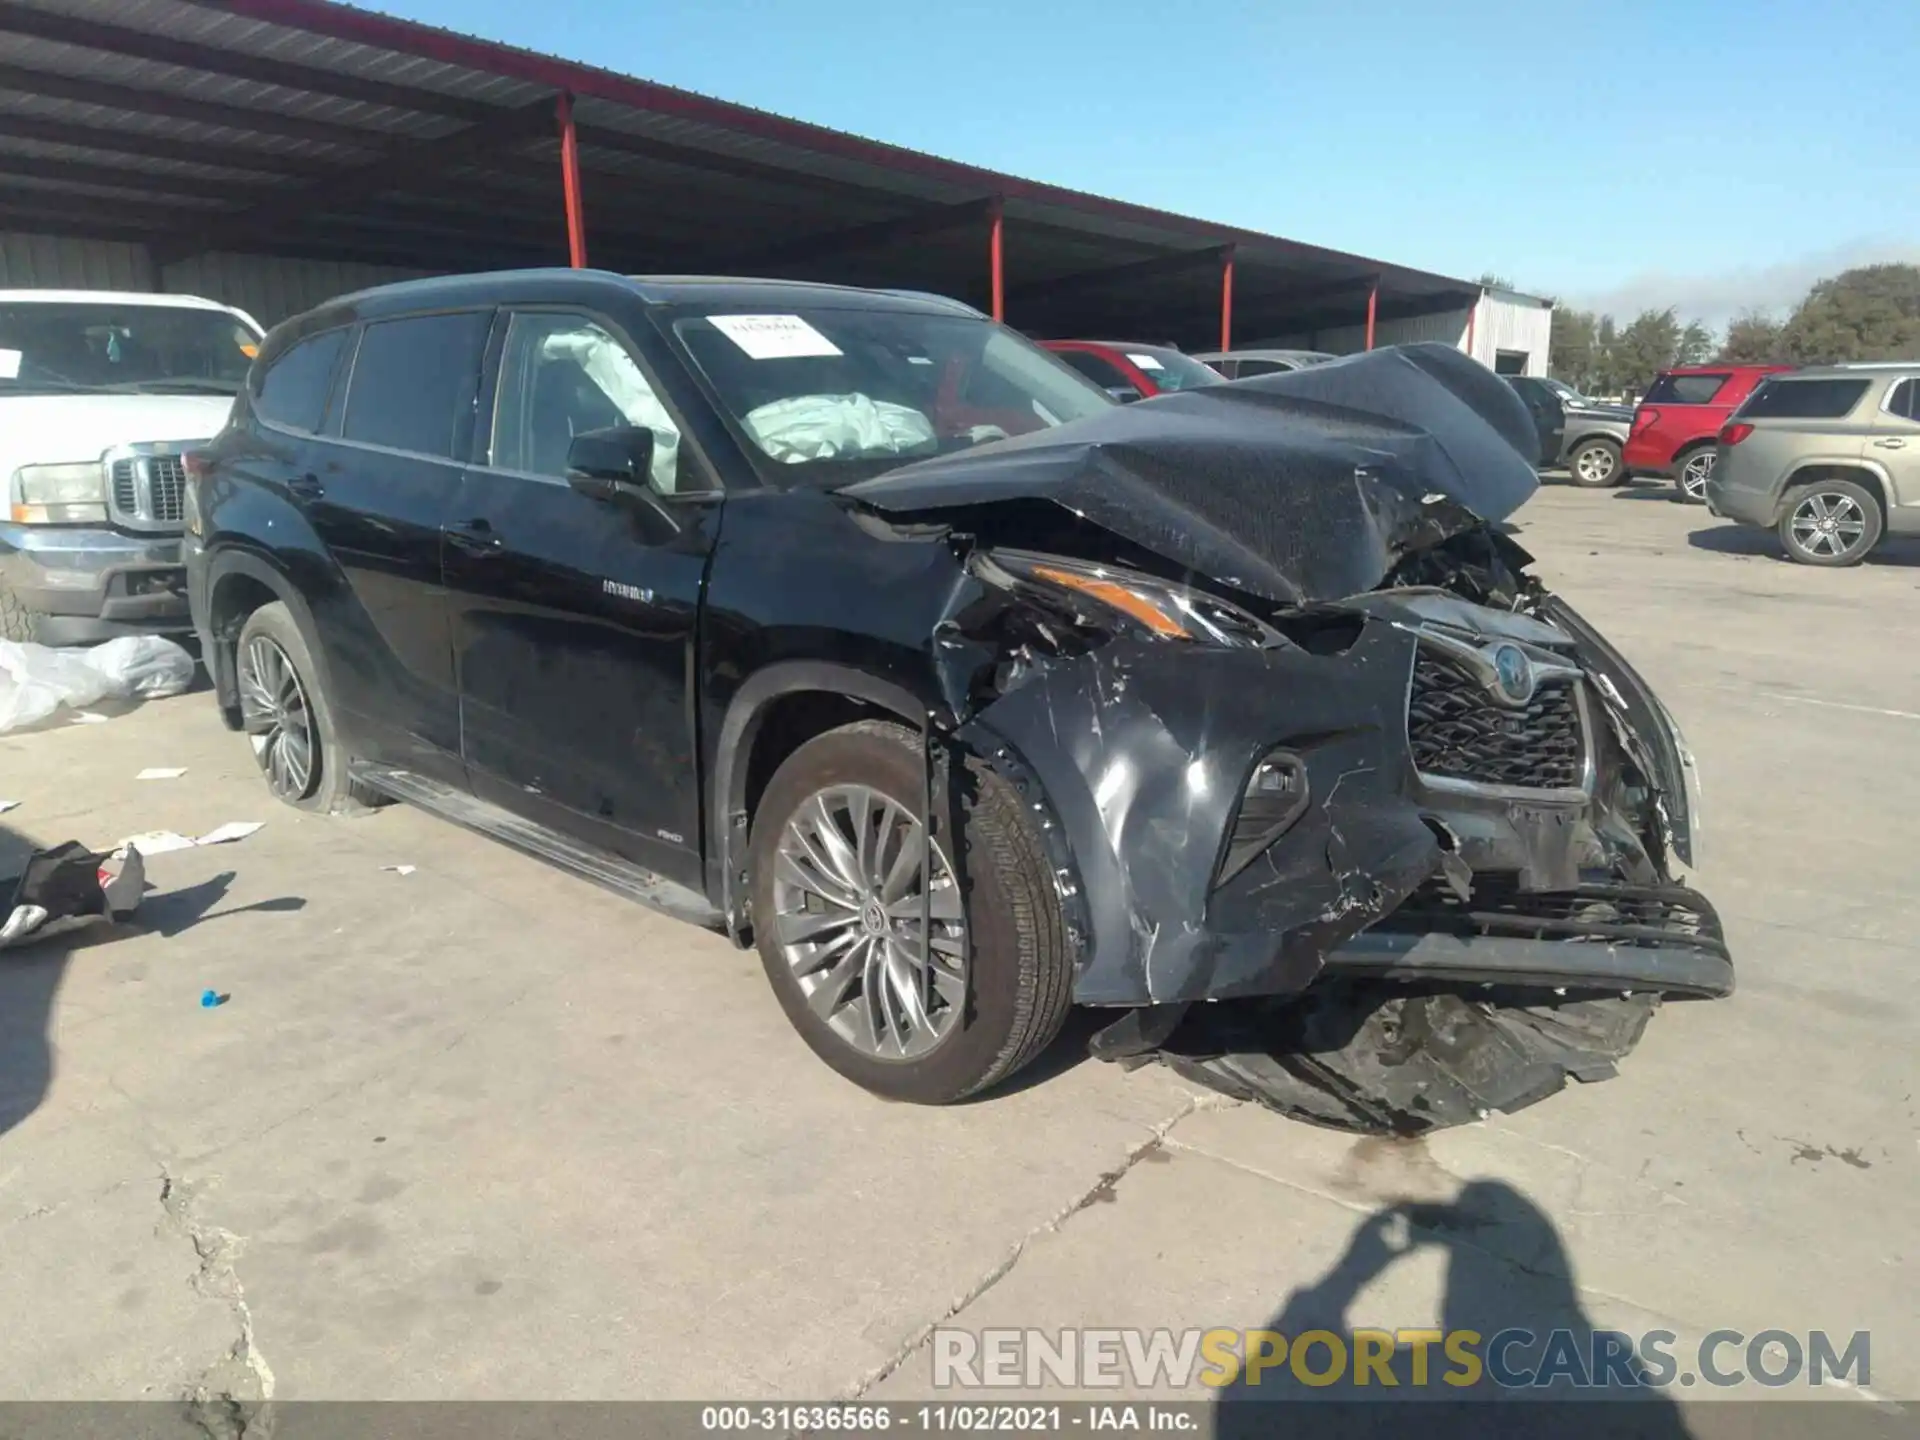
x=1302, y=487
x=1387, y=1060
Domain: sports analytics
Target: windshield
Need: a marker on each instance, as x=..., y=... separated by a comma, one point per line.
x=1170, y=370
x=49, y=347
x=1568, y=395
x=831, y=395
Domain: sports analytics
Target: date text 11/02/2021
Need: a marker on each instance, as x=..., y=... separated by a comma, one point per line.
x=950, y=1416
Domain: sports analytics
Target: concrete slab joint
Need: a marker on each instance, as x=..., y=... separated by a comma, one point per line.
x=227, y=1397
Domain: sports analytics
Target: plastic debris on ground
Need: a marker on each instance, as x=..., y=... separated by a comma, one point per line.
x=160, y=842
x=162, y=772
x=65, y=886
x=6, y=805
x=37, y=680
x=213, y=999
x=397, y=869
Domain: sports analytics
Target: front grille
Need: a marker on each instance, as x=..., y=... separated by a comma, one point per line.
x=1460, y=732
x=167, y=475
x=149, y=490
x=126, y=495
x=1620, y=914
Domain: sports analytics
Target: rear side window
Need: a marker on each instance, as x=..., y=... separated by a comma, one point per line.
x=1684, y=389
x=414, y=380
x=1803, y=399
x=1905, y=400
x=293, y=392
x=1250, y=368
x=1103, y=373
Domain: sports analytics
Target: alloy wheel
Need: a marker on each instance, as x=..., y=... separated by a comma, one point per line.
x=1594, y=465
x=278, y=719
x=1828, y=524
x=1695, y=474
x=849, y=890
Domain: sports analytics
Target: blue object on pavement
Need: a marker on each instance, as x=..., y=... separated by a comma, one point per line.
x=211, y=998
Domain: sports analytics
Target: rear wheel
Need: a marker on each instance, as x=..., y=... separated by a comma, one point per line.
x=286, y=715
x=1595, y=464
x=1690, y=475
x=838, y=890
x=1831, y=523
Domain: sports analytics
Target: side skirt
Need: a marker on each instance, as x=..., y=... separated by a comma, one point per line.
x=605, y=869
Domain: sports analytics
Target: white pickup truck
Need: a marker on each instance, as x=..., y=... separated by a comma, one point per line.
x=101, y=396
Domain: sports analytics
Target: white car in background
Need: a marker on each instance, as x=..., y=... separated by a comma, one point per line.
x=101, y=396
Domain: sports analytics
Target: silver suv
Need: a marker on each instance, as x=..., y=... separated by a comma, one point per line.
x=1829, y=457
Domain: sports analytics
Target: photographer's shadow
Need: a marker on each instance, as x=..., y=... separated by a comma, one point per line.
x=1507, y=1270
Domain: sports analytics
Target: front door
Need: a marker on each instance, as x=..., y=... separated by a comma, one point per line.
x=377, y=491
x=575, y=616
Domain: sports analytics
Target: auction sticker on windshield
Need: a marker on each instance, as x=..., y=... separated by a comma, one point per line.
x=10, y=364
x=1145, y=362
x=773, y=337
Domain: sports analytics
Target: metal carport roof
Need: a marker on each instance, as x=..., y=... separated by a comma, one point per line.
x=313, y=129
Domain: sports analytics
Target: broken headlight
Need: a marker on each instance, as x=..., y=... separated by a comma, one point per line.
x=1145, y=604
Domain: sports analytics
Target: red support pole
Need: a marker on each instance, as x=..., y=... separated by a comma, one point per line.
x=1373, y=305
x=995, y=263
x=570, y=182
x=1226, y=298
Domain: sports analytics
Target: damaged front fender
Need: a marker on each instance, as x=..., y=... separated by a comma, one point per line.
x=1145, y=752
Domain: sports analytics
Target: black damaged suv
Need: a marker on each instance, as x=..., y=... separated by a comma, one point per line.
x=856, y=626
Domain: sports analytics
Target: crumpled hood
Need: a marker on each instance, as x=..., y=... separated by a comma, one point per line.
x=1302, y=487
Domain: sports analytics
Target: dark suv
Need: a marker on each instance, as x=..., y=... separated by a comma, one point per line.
x=859, y=627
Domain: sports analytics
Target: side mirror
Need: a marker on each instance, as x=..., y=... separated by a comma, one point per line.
x=1125, y=394
x=603, y=463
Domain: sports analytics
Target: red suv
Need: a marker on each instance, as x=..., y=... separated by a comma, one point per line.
x=1134, y=372
x=1679, y=418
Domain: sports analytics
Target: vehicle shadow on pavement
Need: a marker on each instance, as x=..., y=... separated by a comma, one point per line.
x=1506, y=1269
x=1646, y=490
x=1748, y=540
x=31, y=973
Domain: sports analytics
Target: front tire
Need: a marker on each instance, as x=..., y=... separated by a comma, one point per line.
x=1690, y=475
x=1831, y=523
x=287, y=717
x=1595, y=464
x=837, y=887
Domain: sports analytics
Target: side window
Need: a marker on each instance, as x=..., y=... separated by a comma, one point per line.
x=1103, y=373
x=1905, y=400
x=1684, y=389
x=293, y=391
x=1228, y=368
x=562, y=375
x=1250, y=368
x=413, y=381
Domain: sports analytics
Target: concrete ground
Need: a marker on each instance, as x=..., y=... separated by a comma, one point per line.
x=483, y=1130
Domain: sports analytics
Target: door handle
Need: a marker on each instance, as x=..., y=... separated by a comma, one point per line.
x=1895, y=444
x=475, y=537
x=306, y=487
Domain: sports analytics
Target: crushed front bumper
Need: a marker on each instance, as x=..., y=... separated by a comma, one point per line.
x=87, y=585
x=1139, y=765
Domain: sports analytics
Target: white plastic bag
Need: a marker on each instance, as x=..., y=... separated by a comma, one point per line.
x=36, y=680
x=142, y=667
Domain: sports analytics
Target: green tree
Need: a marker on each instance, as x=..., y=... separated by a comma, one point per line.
x=1753, y=338
x=1696, y=344
x=1648, y=345
x=1872, y=313
x=1572, y=352
x=1491, y=281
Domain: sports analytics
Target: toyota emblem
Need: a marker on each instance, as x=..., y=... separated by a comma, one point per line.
x=1513, y=674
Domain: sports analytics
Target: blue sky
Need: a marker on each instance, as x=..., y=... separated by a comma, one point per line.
x=1706, y=153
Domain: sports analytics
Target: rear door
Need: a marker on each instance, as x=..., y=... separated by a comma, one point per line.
x=1895, y=445
x=377, y=494
x=575, y=617
x=1686, y=410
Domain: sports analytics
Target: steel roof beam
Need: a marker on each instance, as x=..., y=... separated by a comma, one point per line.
x=17, y=19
